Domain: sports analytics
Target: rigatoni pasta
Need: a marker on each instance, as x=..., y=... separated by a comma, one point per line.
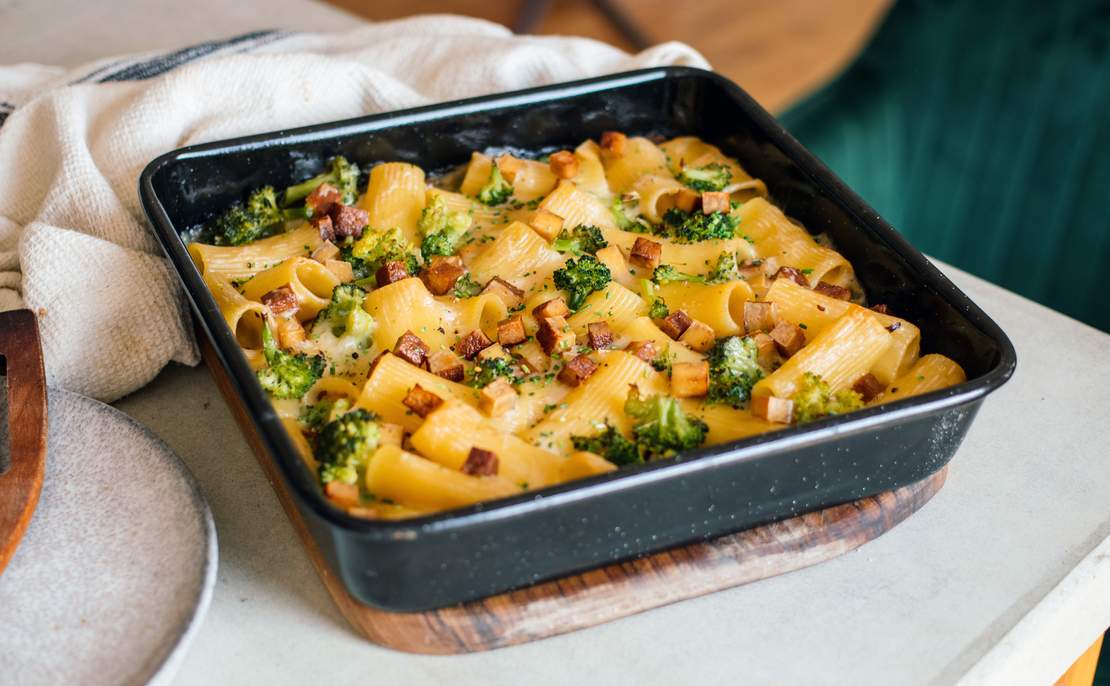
x=432, y=343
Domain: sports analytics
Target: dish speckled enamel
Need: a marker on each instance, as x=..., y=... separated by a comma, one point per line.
x=117, y=567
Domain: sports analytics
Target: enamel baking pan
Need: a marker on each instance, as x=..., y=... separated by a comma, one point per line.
x=465, y=554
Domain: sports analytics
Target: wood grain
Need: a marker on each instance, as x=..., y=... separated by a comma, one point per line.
x=21, y=483
x=778, y=51
x=607, y=593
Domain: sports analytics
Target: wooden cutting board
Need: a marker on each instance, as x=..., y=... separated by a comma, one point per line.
x=607, y=593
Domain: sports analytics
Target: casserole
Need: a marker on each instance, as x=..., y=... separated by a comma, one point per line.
x=437, y=560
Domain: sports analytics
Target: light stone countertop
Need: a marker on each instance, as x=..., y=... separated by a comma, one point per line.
x=1003, y=578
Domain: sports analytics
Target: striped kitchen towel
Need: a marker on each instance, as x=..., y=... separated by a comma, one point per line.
x=74, y=244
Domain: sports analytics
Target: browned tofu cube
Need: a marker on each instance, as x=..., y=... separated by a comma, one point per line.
x=507, y=292
x=689, y=379
x=715, y=201
x=645, y=350
x=686, y=199
x=564, y=164
x=833, y=291
x=325, y=251
x=555, y=335
x=290, y=333
x=766, y=350
x=510, y=331
x=480, y=462
x=446, y=364
x=322, y=198
x=421, y=401
x=324, y=227
x=556, y=307
x=348, y=222
x=599, y=336
x=391, y=272
x=411, y=349
x=343, y=495
x=493, y=352
x=759, y=316
x=698, y=336
x=789, y=338
x=390, y=434
x=793, y=274
x=472, y=343
x=509, y=166
x=282, y=301
x=646, y=253
x=577, y=370
x=546, y=224
x=868, y=387
x=675, y=324
x=342, y=270
x=497, y=398
x=613, y=142
x=880, y=308
x=441, y=273
x=777, y=410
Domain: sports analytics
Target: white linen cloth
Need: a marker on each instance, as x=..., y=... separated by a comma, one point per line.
x=74, y=243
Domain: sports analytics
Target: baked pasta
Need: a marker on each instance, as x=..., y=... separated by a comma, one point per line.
x=518, y=323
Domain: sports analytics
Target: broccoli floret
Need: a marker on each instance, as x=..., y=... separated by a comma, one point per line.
x=497, y=190
x=726, y=269
x=245, y=223
x=814, y=399
x=610, y=444
x=345, y=444
x=583, y=239
x=666, y=273
x=626, y=223
x=314, y=417
x=466, y=287
x=691, y=227
x=657, y=308
x=580, y=278
x=733, y=370
x=345, y=315
x=488, y=371
x=288, y=375
x=343, y=175
x=375, y=248
x=660, y=427
x=712, y=177
x=442, y=229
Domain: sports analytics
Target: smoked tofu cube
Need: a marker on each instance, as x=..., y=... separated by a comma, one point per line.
x=290, y=333
x=497, y=398
x=712, y=201
x=325, y=251
x=546, y=224
x=410, y=348
x=868, y=387
x=766, y=351
x=391, y=272
x=599, y=336
x=613, y=142
x=645, y=350
x=421, y=401
x=507, y=292
x=492, y=353
x=556, y=307
x=510, y=331
x=555, y=335
x=689, y=379
x=442, y=273
x=777, y=410
x=675, y=324
x=759, y=316
x=472, y=343
x=646, y=253
x=446, y=364
x=282, y=301
x=698, y=336
x=789, y=338
x=793, y=274
x=577, y=370
x=833, y=291
x=343, y=495
x=564, y=164
x=481, y=462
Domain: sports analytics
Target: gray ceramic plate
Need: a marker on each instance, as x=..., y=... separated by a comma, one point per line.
x=116, y=570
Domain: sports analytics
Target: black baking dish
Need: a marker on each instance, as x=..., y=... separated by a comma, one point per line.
x=465, y=554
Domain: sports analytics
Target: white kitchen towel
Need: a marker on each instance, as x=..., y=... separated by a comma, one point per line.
x=74, y=243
